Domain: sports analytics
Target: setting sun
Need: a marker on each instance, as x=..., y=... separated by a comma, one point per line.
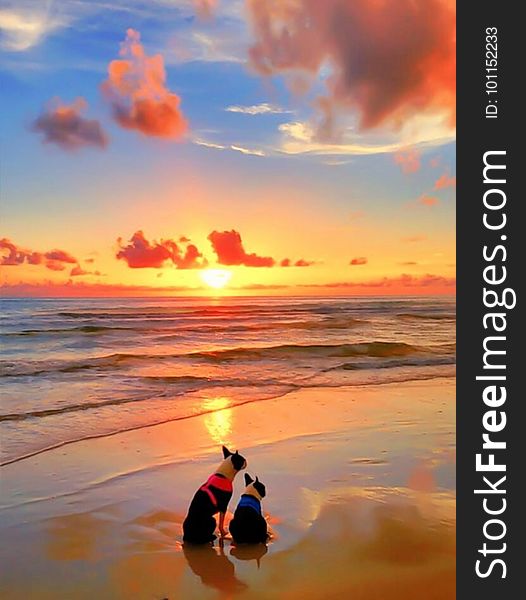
x=216, y=278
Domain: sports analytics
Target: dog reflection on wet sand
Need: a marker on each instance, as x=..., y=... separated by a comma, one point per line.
x=213, y=567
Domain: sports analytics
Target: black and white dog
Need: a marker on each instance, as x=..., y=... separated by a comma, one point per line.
x=248, y=525
x=211, y=498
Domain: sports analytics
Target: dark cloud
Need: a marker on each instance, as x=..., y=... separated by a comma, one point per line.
x=286, y=262
x=64, y=125
x=388, y=60
x=359, y=260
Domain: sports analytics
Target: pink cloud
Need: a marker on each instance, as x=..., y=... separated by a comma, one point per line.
x=140, y=253
x=60, y=256
x=205, y=8
x=63, y=125
x=78, y=271
x=55, y=265
x=13, y=255
x=360, y=260
x=445, y=181
x=137, y=93
x=230, y=251
x=428, y=200
x=389, y=60
x=408, y=160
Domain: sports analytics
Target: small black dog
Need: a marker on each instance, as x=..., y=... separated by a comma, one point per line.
x=212, y=497
x=248, y=525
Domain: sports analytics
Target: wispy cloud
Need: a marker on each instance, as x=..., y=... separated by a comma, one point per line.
x=24, y=24
x=300, y=137
x=258, y=109
x=234, y=147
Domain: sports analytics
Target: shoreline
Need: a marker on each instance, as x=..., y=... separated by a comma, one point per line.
x=296, y=388
x=367, y=463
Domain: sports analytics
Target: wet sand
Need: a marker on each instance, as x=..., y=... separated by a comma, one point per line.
x=361, y=502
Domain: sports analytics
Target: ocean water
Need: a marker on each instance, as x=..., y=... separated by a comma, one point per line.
x=71, y=369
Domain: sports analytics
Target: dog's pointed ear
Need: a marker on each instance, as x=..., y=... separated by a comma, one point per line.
x=248, y=479
x=226, y=452
x=257, y=479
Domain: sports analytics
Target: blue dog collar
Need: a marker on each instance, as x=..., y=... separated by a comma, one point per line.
x=249, y=501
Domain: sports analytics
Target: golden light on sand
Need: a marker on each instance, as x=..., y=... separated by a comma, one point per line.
x=219, y=422
x=216, y=278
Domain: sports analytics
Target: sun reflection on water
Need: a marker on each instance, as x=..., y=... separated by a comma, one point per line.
x=219, y=422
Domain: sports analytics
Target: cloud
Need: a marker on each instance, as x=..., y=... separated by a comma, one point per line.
x=408, y=263
x=408, y=281
x=299, y=137
x=408, y=160
x=63, y=125
x=13, y=255
x=60, y=256
x=137, y=93
x=140, y=253
x=55, y=265
x=286, y=262
x=425, y=200
x=79, y=271
x=252, y=152
x=80, y=289
x=387, y=60
x=445, y=181
x=236, y=148
x=24, y=25
x=205, y=8
x=258, y=109
x=359, y=260
x=230, y=251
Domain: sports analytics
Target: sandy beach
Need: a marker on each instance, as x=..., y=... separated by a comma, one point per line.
x=360, y=500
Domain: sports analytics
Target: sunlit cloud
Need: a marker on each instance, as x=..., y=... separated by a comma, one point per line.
x=359, y=260
x=287, y=262
x=416, y=36
x=140, y=253
x=402, y=281
x=12, y=255
x=137, y=93
x=300, y=137
x=229, y=249
x=426, y=200
x=445, y=181
x=408, y=160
